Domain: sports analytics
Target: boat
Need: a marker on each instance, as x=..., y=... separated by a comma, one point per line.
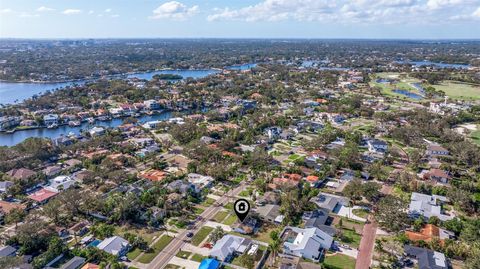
x=52, y=126
x=90, y=120
x=73, y=123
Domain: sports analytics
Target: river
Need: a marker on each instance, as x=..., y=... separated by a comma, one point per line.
x=16, y=92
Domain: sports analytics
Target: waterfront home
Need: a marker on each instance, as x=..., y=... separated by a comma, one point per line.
x=96, y=131
x=308, y=243
x=115, y=245
x=151, y=104
x=7, y=123
x=427, y=258
x=228, y=246
x=427, y=206
x=50, y=120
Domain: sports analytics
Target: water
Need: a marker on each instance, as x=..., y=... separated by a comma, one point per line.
x=242, y=67
x=439, y=65
x=383, y=80
x=95, y=243
x=17, y=92
x=408, y=94
x=11, y=139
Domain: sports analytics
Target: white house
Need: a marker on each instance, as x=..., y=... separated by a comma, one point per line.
x=225, y=248
x=97, y=131
x=427, y=206
x=199, y=181
x=309, y=243
x=114, y=245
x=151, y=104
x=50, y=119
x=376, y=145
x=60, y=183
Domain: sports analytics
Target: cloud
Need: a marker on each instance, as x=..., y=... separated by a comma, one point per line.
x=476, y=13
x=28, y=15
x=6, y=11
x=108, y=10
x=72, y=11
x=44, y=9
x=347, y=11
x=174, y=10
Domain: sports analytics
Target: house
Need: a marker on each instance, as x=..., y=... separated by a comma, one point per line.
x=8, y=123
x=50, y=120
x=151, y=104
x=91, y=266
x=247, y=226
x=21, y=173
x=96, y=131
x=312, y=179
x=5, y=185
x=60, y=183
x=436, y=150
x=438, y=175
x=228, y=246
x=74, y=263
x=42, y=196
x=8, y=251
x=153, y=175
x=6, y=207
x=180, y=186
x=52, y=170
x=429, y=233
x=309, y=243
x=80, y=228
x=319, y=223
x=426, y=258
x=268, y=197
x=273, y=132
x=270, y=213
x=427, y=206
x=330, y=202
x=376, y=145
x=200, y=181
x=114, y=245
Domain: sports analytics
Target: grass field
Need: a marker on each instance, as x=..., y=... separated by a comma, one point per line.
x=350, y=237
x=230, y=220
x=157, y=248
x=363, y=213
x=475, y=136
x=183, y=254
x=220, y=216
x=339, y=261
x=201, y=235
x=197, y=257
x=458, y=90
x=133, y=254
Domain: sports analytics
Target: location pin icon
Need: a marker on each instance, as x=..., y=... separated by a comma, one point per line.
x=241, y=208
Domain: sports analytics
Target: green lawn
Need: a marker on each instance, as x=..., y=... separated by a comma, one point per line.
x=133, y=254
x=197, y=257
x=230, y=220
x=172, y=266
x=201, y=235
x=459, y=90
x=350, y=237
x=198, y=210
x=220, y=216
x=183, y=254
x=208, y=202
x=157, y=248
x=475, y=135
x=339, y=261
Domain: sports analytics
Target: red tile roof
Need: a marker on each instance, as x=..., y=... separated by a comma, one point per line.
x=42, y=195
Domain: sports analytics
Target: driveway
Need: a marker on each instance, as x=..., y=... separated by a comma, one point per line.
x=365, y=253
x=347, y=212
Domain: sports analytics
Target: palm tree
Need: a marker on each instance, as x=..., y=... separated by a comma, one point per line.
x=274, y=247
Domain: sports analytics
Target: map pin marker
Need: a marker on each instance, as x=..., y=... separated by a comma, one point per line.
x=241, y=207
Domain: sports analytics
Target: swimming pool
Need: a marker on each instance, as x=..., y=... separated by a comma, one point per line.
x=94, y=243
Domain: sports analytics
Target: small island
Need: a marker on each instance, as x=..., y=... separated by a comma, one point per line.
x=167, y=77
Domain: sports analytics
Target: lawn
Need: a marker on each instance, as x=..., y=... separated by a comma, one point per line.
x=201, y=235
x=208, y=202
x=198, y=210
x=197, y=257
x=183, y=254
x=350, y=237
x=339, y=261
x=172, y=266
x=264, y=233
x=133, y=254
x=459, y=90
x=220, y=216
x=157, y=248
x=475, y=135
x=146, y=234
x=362, y=213
x=230, y=220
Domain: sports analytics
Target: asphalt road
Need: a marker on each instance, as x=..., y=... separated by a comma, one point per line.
x=162, y=259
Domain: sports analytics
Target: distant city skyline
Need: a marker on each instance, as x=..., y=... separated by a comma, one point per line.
x=370, y=19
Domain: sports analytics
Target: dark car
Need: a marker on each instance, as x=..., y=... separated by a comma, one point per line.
x=190, y=234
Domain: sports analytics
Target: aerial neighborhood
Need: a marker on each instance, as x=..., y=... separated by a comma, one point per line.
x=349, y=157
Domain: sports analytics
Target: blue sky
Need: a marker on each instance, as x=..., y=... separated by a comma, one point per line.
x=432, y=19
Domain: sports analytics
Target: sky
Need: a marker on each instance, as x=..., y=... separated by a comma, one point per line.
x=383, y=19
